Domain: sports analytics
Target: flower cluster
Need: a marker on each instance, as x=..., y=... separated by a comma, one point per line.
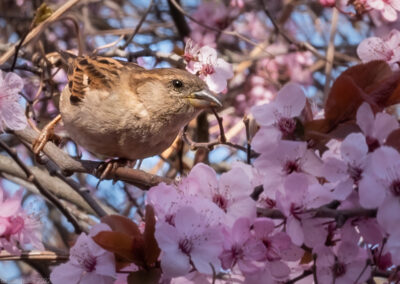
x=210, y=224
x=206, y=223
x=17, y=228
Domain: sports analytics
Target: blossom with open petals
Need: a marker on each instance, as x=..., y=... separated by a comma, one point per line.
x=213, y=70
x=88, y=263
x=190, y=241
x=388, y=8
x=11, y=113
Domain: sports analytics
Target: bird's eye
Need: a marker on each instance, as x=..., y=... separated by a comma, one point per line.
x=177, y=84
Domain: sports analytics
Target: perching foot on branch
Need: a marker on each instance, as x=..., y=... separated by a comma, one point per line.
x=47, y=134
x=109, y=168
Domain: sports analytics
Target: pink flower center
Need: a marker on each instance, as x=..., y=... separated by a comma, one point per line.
x=296, y=210
x=237, y=251
x=170, y=219
x=89, y=263
x=339, y=269
x=355, y=173
x=286, y=125
x=185, y=246
x=85, y=259
x=188, y=57
x=291, y=166
x=270, y=202
x=395, y=187
x=207, y=69
x=220, y=201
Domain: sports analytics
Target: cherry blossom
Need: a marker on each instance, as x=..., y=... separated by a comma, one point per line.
x=375, y=128
x=388, y=8
x=241, y=248
x=277, y=119
x=11, y=113
x=288, y=157
x=190, y=240
x=280, y=113
x=347, y=171
x=231, y=193
x=167, y=200
x=346, y=265
x=213, y=70
x=386, y=48
x=298, y=196
x=381, y=179
x=88, y=263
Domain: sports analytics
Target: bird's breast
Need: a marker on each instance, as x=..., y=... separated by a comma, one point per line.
x=111, y=127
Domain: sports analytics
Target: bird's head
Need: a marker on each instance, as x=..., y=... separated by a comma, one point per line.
x=177, y=90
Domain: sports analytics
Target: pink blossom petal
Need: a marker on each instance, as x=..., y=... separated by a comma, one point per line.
x=236, y=183
x=263, y=227
x=265, y=115
x=365, y=118
x=294, y=230
x=354, y=148
x=14, y=83
x=395, y=4
x=371, y=192
x=383, y=161
x=334, y=170
x=66, y=273
x=376, y=4
x=384, y=124
x=388, y=215
x=290, y=100
x=279, y=270
x=175, y=264
x=266, y=140
x=389, y=13
x=241, y=230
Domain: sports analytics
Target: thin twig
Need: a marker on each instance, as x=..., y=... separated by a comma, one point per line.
x=31, y=177
x=233, y=33
x=40, y=28
x=130, y=38
x=222, y=136
x=34, y=255
x=210, y=145
x=330, y=53
x=246, y=122
x=82, y=191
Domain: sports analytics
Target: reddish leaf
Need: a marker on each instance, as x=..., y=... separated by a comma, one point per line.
x=116, y=242
x=373, y=82
x=121, y=224
x=128, y=247
x=152, y=251
x=393, y=139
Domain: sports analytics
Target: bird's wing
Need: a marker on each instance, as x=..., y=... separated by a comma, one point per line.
x=94, y=73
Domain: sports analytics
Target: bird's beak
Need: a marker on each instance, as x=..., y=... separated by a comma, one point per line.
x=203, y=99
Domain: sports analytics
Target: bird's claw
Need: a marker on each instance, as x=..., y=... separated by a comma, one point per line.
x=109, y=168
x=47, y=134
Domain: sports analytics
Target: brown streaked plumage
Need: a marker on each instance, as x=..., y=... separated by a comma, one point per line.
x=119, y=109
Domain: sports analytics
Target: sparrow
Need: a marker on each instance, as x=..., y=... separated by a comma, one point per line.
x=119, y=109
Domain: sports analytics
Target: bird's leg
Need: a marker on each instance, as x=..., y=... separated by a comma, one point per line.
x=47, y=134
x=109, y=167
